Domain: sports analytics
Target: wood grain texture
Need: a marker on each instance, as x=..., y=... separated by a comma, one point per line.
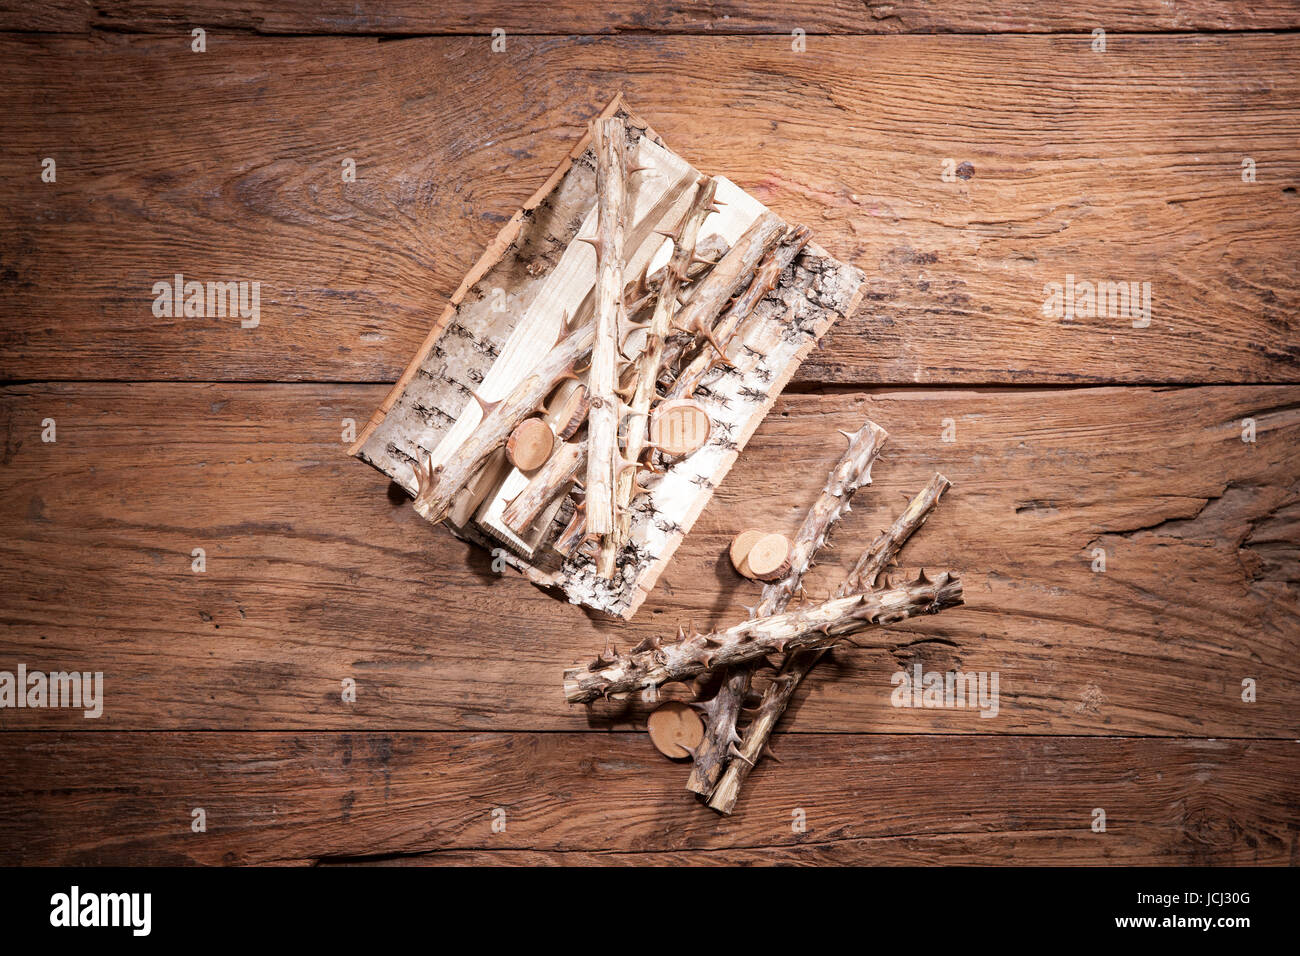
x=397, y=17
x=305, y=554
x=1116, y=166
x=303, y=797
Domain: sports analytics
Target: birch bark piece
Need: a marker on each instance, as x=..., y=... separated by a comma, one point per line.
x=530, y=444
x=674, y=727
x=680, y=427
x=740, y=548
x=769, y=558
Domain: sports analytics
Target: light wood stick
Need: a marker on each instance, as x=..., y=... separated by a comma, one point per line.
x=650, y=665
x=764, y=281
x=849, y=474
x=796, y=667
x=550, y=481
x=609, y=138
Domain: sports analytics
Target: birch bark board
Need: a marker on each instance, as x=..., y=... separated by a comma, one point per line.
x=510, y=308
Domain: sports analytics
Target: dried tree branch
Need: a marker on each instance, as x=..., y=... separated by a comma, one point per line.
x=708, y=252
x=851, y=472
x=889, y=543
x=763, y=282
x=796, y=666
x=609, y=138
x=711, y=294
x=649, y=665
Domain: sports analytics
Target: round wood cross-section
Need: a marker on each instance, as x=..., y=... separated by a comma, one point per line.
x=530, y=444
x=673, y=725
x=679, y=427
x=769, y=558
x=740, y=548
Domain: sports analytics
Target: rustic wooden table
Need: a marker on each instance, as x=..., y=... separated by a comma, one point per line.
x=966, y=158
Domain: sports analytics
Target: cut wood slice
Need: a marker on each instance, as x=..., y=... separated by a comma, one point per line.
x=567, y=408
x=741, y=545
x=530, y=444
x=675, y=729
x=679, y=427
x=769, y=558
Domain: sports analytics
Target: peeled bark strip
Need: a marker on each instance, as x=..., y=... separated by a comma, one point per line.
x=712, y=293
x=438, y=486
x=796, y=667
x=551, y=480
x=820, y=626
x=763, y=282
x=647, y=363
x=851, y=472
x=609, y=136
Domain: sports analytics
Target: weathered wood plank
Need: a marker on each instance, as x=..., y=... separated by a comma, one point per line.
x=60, y=16
x=1115, y=166
x=314, y=575
x=691, y=16
x=299, y=797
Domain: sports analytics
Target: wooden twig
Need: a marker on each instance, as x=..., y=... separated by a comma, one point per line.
x=796, y=667
x=763, y=282
x=438, y=486
x=873, y=562
x=647, y=363
x=609, y=139
x=851, y=472
x=649, y=665
x=711, y=294
x=708, y=252
x=550, y=481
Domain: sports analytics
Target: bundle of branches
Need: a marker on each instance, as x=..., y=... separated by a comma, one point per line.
x=635, y=344
x=723, y=759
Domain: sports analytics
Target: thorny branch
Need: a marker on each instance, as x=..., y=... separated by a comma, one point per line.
x=851, y=472
x=795, y=668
